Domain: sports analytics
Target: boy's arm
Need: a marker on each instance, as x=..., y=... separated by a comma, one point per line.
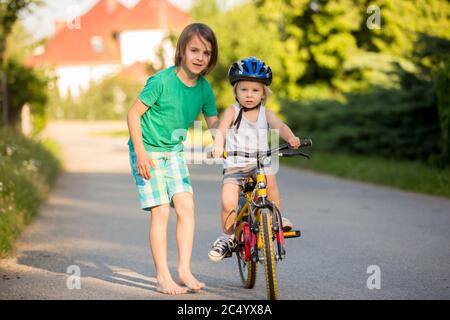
x=134, y=115
x=224, y=124
x=220, y=133
x=134, y=124
x=285, y=132
x=212, y=122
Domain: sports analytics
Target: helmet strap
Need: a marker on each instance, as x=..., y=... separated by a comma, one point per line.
x=237, y=123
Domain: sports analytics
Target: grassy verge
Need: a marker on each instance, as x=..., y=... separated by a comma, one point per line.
x=28, y=169
x=405, y=175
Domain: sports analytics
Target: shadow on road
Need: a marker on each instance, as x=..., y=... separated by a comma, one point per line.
x=107, y=269
x=91, y=266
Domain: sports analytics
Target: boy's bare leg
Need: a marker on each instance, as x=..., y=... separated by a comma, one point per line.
x=184, y=207
x=158, y=244
x=273, y=192
x=230, y=197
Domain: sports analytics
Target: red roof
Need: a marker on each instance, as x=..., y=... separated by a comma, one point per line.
x=98, y=28
x=153, y=14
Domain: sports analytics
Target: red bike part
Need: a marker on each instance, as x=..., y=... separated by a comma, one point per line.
x=280, y=237
x=247, y=241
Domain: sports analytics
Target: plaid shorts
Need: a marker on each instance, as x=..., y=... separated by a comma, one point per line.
x=169, y=176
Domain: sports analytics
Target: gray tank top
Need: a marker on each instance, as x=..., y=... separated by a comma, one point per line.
x=251, y=137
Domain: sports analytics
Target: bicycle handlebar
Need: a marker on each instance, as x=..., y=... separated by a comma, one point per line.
x=290, y=151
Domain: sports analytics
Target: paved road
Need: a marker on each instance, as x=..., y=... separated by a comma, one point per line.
x=92, y=220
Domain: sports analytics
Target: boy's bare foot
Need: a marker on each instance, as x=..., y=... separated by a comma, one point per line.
x=188, y=279
x=169, y=287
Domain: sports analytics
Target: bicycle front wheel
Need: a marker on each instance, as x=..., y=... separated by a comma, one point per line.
x=269, y=255
x=247, y=267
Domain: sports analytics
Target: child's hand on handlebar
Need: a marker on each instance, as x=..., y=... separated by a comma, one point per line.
x=217, y=152
x=294, y=142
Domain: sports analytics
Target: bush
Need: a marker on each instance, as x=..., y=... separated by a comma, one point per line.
x=407, y=119
x=27, y=171
x=389, y=123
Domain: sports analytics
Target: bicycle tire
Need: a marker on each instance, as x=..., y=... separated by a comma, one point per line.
x=247, y=269
x=269, y=255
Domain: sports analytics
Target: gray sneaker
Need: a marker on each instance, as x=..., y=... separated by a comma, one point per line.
x=287, y=224
x=220, y=248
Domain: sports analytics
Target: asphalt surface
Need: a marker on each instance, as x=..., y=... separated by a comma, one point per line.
x=92, y=221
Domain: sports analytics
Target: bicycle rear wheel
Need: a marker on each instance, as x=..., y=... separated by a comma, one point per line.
x=269, y=255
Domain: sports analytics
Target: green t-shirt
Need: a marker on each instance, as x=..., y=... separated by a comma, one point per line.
x=172, y=108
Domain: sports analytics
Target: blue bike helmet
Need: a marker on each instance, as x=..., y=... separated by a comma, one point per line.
x=250, y=69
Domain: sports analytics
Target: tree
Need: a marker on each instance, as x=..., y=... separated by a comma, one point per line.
x=20, y=43
x=315, y=38
x=9, y=13
x=318, y=37
x=240, y=33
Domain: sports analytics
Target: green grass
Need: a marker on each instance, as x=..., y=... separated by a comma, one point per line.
x=405, y=175
x=28, y=169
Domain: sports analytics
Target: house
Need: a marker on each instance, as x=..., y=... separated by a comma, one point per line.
x=111, y=38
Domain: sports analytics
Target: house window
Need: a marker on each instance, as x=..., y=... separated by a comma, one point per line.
x=97, y=44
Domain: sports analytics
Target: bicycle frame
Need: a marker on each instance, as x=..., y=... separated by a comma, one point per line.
x=255, y=201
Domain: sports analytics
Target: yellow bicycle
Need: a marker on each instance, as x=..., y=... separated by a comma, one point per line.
x=259, y=235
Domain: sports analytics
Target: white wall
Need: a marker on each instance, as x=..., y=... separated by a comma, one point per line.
x=142, y=45
x=137, y=45
x=77, y=78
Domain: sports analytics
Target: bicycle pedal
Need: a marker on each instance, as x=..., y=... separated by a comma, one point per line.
x=228, y=254
x=292, y=234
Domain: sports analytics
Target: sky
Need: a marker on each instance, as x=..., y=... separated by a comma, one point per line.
x=40, y=23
